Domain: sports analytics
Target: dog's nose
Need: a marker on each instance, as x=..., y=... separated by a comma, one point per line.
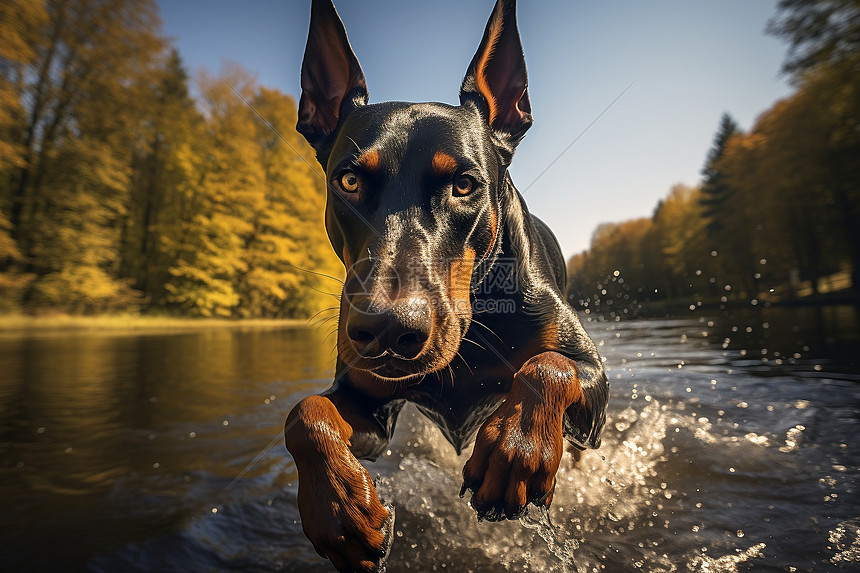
x=401, y=328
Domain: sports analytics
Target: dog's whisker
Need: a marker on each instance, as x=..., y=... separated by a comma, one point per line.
x=460, y=356
x=334, y=331
x=319, y=312
x=315, y=273
x=335, y=296
x=358, y=148
x=324, y=322
x=488, y=329
x=473, y=342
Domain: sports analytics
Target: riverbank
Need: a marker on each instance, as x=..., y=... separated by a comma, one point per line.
x=18, y=323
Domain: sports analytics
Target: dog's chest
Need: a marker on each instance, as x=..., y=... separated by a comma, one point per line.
x=459, y=415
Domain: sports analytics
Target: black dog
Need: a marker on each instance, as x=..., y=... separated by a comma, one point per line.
x=453, y=299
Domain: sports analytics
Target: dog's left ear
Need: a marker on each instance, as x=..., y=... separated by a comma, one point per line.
x=332, y=80
x=496, y=79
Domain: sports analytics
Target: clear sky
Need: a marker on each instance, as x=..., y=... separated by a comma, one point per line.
x=688, y=62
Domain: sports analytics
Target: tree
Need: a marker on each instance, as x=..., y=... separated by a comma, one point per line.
x=214, y=231
x=82, y=109
x=288, y=251
x=21, y=22
x=819, y=32
x=166, y=164
x=715, y=191
x=824, y=62
x=680, y=225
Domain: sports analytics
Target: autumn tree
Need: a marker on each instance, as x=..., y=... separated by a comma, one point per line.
x=250, y=239
x=229, y=191
x=819, y=33
x=824, y=62
x=288, y=254
x=620, y=270
x=681, y=228
x=21, y=22
x=778, y=203
x=82, y=111
x=165, y=167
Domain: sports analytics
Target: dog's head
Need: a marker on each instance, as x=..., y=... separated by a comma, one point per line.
x=415, y=193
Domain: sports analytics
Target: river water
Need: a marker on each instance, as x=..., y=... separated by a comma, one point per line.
x=732, y=444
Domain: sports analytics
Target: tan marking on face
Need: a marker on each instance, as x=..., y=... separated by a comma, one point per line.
x=494, y=228
x=443, y=164
x=347, y=261
x=369, y=160
x=460, y=281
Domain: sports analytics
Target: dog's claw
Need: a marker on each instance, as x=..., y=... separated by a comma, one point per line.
x=545, y=499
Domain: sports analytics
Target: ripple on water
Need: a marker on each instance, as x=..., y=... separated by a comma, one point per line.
x=601, y=499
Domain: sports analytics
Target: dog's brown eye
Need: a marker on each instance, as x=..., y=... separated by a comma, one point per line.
x=463, y=185
x=349, y=182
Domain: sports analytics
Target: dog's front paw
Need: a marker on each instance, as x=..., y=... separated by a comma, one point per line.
x=514, y=462
x=344, y=519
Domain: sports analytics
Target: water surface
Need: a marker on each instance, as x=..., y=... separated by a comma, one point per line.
x=731, y=445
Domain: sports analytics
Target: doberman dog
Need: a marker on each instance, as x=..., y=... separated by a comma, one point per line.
x=453, y=298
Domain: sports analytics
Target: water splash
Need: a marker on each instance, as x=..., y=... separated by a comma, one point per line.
x=537, y=519
x=846, y=540
x=726, y=563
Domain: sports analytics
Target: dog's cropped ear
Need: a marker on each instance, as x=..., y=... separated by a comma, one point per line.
x=332, y=80
x=496, y=79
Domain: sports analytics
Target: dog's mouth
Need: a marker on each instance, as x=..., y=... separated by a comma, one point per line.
x=393, y=367
x=388, y=365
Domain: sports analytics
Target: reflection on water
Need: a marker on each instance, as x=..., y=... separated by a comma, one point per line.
x=107, y=440
x=730, y=445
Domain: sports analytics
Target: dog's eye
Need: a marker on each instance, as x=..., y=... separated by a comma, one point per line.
x=463, y=185
x=349, y=182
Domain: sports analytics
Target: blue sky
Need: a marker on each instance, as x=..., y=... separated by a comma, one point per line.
x=688, y=62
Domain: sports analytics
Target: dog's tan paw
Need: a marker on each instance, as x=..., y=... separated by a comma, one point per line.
x=514, y=462
x=345, y=521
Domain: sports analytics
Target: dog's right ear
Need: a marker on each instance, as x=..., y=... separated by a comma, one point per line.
x=332, y=80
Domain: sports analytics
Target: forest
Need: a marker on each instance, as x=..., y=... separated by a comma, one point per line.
x=120, y=191
x=776, y=216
